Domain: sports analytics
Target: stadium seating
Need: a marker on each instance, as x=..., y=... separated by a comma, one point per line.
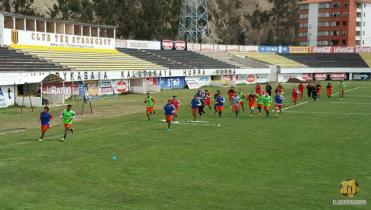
x=366, y=58
x=89, y=59
x=318, y=60
x=271, y=58
x=11, y=60
x=179, y=59
x=234, y=60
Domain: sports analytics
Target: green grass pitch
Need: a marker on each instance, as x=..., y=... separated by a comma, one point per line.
x=296, y=161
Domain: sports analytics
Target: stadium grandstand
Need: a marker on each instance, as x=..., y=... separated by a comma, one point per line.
x=271, y=59
x=81, y=59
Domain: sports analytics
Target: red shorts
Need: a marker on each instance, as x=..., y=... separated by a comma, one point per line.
x=67, y=126
x=194, y=111
x=230, y=97
x=267, y=108
x=44, y=128
x=242, y=103
x=208, y=102
x=149, y=109
x=219, y=108
x=260, y=105
x=236, y=107
x=294, y=98
x=329, y=92
x=176, y=109
x=279, y=106
x=169, y=118
x=252, y=105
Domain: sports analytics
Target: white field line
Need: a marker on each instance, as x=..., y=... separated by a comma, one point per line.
x=347, y=91
x=50, y=137
x=331, y=113
x=10, y=132
x=196, y=123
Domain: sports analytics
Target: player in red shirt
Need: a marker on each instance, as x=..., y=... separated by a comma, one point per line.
x=301, y=89
x=318, y=90
x=208, y=99
x=231, y=93
x=176, y=103
x=294, y=95
x=258, y=88
x=252, y=102
x=279, y=89
x=329, y=90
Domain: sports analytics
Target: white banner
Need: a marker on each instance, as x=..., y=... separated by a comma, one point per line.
x=136, y=44
x=6, y=96
x=197, y=82
x=56, y=40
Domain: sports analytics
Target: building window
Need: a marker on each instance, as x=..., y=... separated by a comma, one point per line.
x=325, y=14
x=358, y=24
x=345, y=14
x=303, y=25
x=304, y=6
x=344, y=33
x=345, y=23
x=324, y=5
x=335, y=5
x=346, y=5
x=344, y=42
x=335, y=14
x=358, y=33
x=303, y=16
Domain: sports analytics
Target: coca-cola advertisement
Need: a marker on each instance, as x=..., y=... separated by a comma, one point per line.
x=320, y=77
x=322, y=49
x=251, y=78
x=338, y=76
x=344, y=50
x=121, y=86
x=180, y=45
x=307, y=77
x=167, y=45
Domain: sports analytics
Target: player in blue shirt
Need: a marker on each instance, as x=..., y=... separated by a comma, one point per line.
x=45, y=118
x=279, y=102
x=169, y=111
x=219, y=104
x=195, y=105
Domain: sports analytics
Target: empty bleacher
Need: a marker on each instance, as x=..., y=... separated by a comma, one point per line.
x=366, y=58
x=11, y=60
x=318, y=60
x=271, y=58
x=234, y=60
x=81, y=59
x=179, y=59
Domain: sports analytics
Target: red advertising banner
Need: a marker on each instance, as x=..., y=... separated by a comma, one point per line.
x=321, y=49
x=180, y=45
x=344, y=49
x=167, y=44
x=338, y=76
x=320, y=77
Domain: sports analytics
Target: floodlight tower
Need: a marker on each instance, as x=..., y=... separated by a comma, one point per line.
x=194, y=21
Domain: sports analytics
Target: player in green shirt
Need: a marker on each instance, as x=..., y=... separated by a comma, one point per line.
x=149, y=101
x=342, y=89
x=267, y=101
x=67, y=116
x=259, y=100
x=242, y=97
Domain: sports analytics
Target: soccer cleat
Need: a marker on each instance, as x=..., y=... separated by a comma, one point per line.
x=71, y=131
x=40, y=140
x=62, y=139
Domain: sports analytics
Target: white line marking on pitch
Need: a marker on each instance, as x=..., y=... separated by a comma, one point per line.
x=347, y=91
x=50, y=137
x=355, y=103
x=10, y=132
x=198, y=123
x=291, y=107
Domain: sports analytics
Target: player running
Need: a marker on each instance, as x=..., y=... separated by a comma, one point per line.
x=260, y=102
x=301, y=90
x=268, y=89
x=294, y=95
x=208, y=99
x=342, y=89
x=176, y=103
x=252, y=101
x=267, y=101
x=241, y=94
x=319, y=90
x=329, y=90
x=219, y=104
x=169, y=111
x=150, y=102
x=215, y=96
x=195, y=105
x=67, y=116
x=45, y=118
x=258, y=88
x=231, y=93
x=236, y=103
x=279, y=103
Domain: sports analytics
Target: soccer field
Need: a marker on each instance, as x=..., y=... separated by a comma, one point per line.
x=295, y=161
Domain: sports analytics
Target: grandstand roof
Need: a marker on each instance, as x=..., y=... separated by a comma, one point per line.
x=55, y=20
